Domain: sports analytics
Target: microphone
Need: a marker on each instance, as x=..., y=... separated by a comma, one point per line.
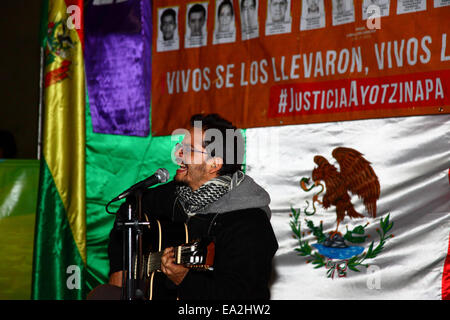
x=160, y=176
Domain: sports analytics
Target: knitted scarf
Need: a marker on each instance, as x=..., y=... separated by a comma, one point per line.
x=193, y=201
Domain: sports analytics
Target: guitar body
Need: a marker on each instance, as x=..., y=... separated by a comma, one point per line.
x=158, y=236
x=155, y=238
x=154, y=284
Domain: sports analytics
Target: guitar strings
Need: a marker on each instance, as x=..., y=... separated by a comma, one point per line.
x=152, y=261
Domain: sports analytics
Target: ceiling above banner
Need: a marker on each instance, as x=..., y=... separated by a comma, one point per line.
x=278, y=62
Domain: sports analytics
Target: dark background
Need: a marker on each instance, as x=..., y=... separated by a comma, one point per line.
x=19, y=81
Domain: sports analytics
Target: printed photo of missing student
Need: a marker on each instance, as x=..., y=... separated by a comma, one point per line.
x=224, y=22
x=196, y=22
x=168, y=38
x=279, y=18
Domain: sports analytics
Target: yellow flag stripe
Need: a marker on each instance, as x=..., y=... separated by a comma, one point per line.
x=64, y=129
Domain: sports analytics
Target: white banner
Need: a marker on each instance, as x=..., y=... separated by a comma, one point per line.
x=397, y=254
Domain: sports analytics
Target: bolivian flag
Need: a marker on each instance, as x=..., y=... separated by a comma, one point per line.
x=59, y=261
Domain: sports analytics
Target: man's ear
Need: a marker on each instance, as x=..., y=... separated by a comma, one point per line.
x=215, y=164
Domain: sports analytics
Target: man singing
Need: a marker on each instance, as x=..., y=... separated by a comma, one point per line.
x=216, y=200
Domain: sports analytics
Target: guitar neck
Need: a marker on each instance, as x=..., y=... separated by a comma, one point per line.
x=152, y=261
x=187, y=255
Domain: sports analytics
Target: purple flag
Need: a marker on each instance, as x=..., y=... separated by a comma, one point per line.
x=117, y=55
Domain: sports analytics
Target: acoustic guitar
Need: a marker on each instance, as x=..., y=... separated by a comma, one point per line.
x=156, y=236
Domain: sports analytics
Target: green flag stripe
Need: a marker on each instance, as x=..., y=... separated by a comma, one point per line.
x=44, y=24
x=55, y=254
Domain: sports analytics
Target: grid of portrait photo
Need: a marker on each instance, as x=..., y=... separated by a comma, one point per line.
x=277, y=19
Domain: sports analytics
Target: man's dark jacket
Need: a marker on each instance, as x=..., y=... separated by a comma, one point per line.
x=239, y=225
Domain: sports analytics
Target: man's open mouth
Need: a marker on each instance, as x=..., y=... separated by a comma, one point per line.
x=182, y=167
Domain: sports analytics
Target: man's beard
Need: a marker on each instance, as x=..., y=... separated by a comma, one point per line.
x=191, y=175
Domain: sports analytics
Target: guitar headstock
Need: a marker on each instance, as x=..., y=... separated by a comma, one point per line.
x=196, y=255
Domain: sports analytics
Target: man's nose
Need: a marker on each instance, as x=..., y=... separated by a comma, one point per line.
x=178, y=153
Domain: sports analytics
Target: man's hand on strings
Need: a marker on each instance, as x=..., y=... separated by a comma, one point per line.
x=174, y=272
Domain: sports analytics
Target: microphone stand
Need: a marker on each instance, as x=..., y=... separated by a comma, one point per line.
x=132, y=248
x=132, y=266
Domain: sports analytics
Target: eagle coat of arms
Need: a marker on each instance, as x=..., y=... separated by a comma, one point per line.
x=336, y=251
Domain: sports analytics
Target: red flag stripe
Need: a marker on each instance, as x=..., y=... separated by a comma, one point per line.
x=80, y=31
x=446, y=276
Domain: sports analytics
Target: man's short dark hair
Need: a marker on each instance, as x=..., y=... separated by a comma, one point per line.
x=233, y=142
x=169, y=12
x=197, y=8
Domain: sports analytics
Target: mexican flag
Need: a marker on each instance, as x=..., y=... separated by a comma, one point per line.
x=395, y=172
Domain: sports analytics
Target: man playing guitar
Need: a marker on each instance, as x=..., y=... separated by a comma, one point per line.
x=216, y=201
